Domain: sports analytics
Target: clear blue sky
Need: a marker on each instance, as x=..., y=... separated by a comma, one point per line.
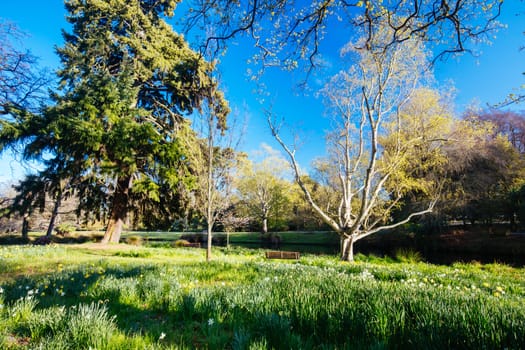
x=486, y=79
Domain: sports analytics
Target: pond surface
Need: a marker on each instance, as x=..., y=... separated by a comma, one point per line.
x=433, y=257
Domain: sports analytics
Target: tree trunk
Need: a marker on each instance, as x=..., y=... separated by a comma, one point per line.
x=25, y=226
x=265, y=225
x=208, y=244
x=347, y=249
x=119, y=211
x=54, y=215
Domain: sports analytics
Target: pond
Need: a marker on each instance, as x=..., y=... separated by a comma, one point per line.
x=430, y=256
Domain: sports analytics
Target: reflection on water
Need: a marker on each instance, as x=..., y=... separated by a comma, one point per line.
x=433, y=257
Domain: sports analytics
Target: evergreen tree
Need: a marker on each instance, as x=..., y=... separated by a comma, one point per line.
x=128, y=83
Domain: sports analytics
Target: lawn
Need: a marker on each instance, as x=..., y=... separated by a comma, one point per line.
x=127, y=297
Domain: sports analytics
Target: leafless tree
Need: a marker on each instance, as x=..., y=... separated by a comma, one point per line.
x=22, y=84
x=287, y=32
x=373, y=175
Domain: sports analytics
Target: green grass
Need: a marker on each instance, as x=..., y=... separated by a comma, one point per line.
x=129, y=297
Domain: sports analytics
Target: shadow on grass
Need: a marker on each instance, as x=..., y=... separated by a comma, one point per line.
x=71, y=288
x=42, y=240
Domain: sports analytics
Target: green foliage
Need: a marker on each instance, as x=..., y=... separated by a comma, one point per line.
x=128, y=84
x=64, y=229
x=134, y=240
x=181, y=243
x=406, y=255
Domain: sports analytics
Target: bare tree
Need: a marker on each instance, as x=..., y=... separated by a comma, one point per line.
x=22, y=84
x=287, y=32
x=367, y=100
x=214, y=161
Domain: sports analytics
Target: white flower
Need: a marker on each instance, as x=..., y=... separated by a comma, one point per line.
x=1, y=290
x=211, y=322
x=162, y=336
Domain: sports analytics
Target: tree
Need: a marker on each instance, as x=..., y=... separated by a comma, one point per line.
x=511, y=124
x=289, y=32
x=22, y=84
x=129, y=82
x=213, y=160
x=483, y=172
x=264, y=191
x=371, y=146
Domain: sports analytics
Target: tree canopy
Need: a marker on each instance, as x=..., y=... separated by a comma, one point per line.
x=128, y=83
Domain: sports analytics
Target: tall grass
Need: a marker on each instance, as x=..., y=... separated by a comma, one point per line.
x=170, y=298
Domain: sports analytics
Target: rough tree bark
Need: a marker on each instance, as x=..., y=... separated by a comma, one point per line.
x=119, y=211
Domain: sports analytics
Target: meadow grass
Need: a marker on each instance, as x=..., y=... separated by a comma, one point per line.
x=128, y=297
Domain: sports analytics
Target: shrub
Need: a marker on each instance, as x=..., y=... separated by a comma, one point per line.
x=64, y=229
x=180, y=243
x=134, y=240
x=407, y=255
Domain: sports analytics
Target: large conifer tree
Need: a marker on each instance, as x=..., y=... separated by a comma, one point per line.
x=128, y=83
x=130, y=80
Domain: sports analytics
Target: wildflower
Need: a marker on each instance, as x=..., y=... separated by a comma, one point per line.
x=211, y=322
x=162, y=336
x=1, y=290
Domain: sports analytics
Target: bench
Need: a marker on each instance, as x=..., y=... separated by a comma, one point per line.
x=192, y=245
x=282, y=255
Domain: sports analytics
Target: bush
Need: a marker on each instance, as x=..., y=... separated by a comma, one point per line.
x=64, y=229
x=407, y=255
x=180, y=243
x=135, y=240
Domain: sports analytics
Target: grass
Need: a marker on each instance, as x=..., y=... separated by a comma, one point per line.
x=130, y=297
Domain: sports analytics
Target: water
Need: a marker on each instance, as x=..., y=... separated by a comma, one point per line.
x=427, y=255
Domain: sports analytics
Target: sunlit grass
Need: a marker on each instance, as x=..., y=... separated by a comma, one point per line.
x=121, y=296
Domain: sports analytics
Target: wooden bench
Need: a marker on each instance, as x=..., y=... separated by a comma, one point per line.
x=282, y=255
x=193, y=245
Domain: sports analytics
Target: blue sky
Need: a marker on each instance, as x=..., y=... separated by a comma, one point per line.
x=486, y=79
